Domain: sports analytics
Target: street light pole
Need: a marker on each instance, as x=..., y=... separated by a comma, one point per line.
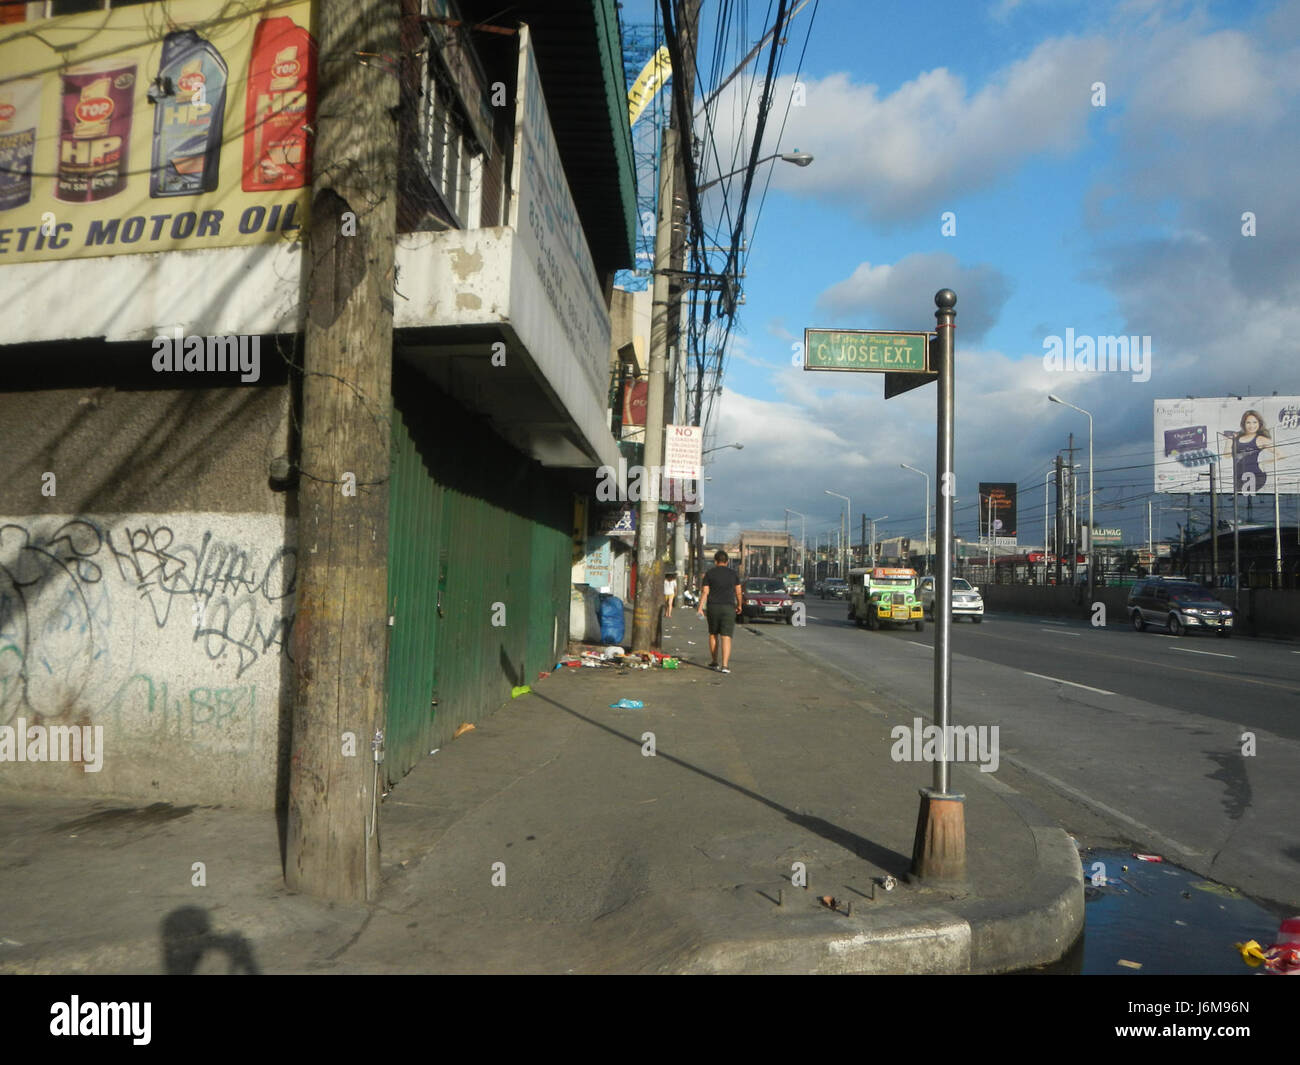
x=1092, y=547
x=872, y=521
x=800, y=159
x=849, y=505
x=905, y=466
x=803, y=542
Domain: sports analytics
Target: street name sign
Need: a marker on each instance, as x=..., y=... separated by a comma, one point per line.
x=903, y=357
x=864, y=350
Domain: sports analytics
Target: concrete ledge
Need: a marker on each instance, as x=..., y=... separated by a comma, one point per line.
x=933, y=940
x=1040, y=926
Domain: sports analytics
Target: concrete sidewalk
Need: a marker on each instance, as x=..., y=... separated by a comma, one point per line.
x=613, y=861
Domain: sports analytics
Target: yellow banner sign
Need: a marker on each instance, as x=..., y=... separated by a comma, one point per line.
x=648, y=82
x=157, y=127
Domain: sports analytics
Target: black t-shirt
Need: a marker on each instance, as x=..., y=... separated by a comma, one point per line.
x=722, y=582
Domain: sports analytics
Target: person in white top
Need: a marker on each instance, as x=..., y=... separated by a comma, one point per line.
x=670, y=593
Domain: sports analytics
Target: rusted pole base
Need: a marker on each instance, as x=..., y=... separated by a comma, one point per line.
x=939, y=851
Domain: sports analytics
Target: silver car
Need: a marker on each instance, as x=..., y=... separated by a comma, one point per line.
x=966, y=599
x=1180, y=606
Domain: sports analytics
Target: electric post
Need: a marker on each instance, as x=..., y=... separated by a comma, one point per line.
x=649, y=575
x=1060, y=532
x=340, y=636
x=1214, y=526
x=665, y=317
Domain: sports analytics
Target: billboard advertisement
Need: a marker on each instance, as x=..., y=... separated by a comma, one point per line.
x=998, y=512
x=1193, y=434
x=155, y=127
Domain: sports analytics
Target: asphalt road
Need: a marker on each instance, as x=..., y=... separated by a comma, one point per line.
x=1151, y=734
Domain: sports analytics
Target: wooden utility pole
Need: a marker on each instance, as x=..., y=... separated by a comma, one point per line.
x=340, y=633
x=665, y=316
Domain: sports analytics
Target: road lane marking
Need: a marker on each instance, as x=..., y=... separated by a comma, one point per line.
x=929, y=648
x=1058, y=680
x=1235, y=677
x=1189, y=651
x=1053, y=623
x=1055, y=633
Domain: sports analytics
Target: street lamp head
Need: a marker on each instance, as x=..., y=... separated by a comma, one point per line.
x=1054, y=399
x=797, y=157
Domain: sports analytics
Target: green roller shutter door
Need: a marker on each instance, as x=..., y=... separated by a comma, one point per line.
x=472, y=524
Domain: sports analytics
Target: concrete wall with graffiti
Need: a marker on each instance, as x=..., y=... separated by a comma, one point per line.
x=170, y=631
x=147, y=577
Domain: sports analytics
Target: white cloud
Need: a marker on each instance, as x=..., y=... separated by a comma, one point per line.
x=900, y=295
x=930, y=141
x=1219, y=77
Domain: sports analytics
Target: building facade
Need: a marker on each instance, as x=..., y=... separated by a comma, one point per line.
x=152, y=354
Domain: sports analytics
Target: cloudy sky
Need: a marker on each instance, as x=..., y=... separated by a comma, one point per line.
x=1122, y=219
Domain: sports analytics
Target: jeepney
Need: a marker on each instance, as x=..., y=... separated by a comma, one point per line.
x=884, y=596
x=794, y=585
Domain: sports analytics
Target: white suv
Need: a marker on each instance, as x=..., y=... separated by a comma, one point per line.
x=966, y=600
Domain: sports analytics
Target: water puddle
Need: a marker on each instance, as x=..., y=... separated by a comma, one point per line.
x=1144, y=917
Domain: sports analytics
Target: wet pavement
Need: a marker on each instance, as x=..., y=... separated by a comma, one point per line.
x=1144, y=918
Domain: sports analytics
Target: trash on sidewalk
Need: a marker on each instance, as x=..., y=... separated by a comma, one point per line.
x=1283, y=957
x=829, y=901
x=627, y=704
x=1129, y=964
x=522, y=689
x=1147, y=857
x=461, y=729
x=543, y=674
x=671, y=663
x=887, y=882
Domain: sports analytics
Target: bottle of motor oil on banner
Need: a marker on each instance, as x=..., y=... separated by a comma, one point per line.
x=189, y=97
x=279, y=108
x=20, y=103
x=94, y=130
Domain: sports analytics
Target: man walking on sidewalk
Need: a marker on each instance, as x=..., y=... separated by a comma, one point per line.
x=722, y=584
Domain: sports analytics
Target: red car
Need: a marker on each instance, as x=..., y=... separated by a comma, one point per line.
x=766, y=597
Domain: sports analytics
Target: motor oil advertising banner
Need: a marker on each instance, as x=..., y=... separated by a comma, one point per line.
x=156, y=127
x=1194, y=434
